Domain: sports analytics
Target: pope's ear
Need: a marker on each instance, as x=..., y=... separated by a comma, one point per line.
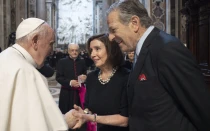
x=35, y=42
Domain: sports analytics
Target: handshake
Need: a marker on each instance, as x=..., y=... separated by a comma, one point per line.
x=76, y=117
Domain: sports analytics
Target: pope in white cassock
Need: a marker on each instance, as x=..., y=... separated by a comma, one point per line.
x=25, y=101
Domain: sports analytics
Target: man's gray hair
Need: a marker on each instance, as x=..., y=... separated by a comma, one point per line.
x=129, y=8
x=72, y=44
x=41, y=31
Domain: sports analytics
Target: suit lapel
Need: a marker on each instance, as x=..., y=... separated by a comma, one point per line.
x=138, y=66
x=141, y=58
x=140, y=63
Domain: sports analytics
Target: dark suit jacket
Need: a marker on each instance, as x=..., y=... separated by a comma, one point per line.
x=174, y=96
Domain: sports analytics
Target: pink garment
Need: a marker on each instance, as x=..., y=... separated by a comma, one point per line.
x=91, y=126
x=82, y=91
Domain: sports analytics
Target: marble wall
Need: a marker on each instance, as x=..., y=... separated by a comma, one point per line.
x=165, y=14
x=75, y=21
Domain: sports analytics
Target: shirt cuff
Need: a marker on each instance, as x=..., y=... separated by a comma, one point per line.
x=70, y=82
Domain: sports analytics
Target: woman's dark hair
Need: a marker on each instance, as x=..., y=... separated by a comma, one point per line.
x=114, y=54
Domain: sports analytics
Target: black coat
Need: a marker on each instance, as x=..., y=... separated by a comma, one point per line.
x=46, y=70
x=173, y=96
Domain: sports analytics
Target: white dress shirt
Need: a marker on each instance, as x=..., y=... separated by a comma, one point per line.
x=140, y=43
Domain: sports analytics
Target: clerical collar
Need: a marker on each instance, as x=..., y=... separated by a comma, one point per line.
x=72, y=58
x=25, y=54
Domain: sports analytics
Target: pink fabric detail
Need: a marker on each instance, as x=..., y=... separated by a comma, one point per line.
x=91, y=126
x=82, y=91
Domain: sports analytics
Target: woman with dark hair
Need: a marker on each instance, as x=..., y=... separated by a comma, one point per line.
x=105, y=87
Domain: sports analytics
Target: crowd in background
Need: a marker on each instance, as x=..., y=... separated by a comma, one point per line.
x=56, y=55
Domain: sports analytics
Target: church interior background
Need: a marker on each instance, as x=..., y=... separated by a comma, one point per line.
x=76, y=20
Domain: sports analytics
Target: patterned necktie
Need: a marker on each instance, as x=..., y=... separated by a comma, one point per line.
x=135, y=59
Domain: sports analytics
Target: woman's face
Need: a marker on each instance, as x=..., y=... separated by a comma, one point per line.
x=98, y=53
x=131, y=55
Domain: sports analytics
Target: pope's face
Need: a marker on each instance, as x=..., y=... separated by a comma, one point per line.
x=45, y=45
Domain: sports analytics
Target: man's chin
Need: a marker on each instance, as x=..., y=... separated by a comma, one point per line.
x=124, y=49
x=74, y=57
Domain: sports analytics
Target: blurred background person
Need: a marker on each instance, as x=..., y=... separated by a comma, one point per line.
x=129, y=61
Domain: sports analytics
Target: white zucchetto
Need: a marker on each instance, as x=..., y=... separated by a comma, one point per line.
x=27, y=26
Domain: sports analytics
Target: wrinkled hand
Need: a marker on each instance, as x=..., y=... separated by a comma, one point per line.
x=81, y=116
x=78, y=108
x=70, y=119
x=78, y=114
x=74, y=83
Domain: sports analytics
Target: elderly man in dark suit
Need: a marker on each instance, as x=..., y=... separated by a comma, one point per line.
x=166, y=90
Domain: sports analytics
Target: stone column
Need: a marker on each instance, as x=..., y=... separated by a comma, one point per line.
x=21, y=11
x=2, y=24
x=5, y=22
x=32, y=8
x=41, y=9
x=106, y=5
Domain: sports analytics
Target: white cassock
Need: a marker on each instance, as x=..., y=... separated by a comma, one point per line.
x=25, y=101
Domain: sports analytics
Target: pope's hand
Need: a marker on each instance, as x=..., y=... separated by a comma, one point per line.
x=70, y=119
x=78, y=113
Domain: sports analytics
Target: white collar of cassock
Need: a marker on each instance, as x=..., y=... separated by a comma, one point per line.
x=25, y=54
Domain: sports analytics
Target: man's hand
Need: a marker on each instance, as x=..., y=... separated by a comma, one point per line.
x=82, y=78
x=79, y=115
x=70, y=119
x=74, y=83
x=78, y=108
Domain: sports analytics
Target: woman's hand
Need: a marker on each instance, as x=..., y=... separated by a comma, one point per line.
x=78, y=114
